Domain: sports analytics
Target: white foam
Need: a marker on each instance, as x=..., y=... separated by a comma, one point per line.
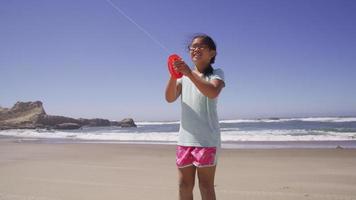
x=255, y=120
x=285, y=135
x=229, y=129
x=151, y=136
x=228, y=134
x=305, y=119
x=329, y=119
x=157, y=123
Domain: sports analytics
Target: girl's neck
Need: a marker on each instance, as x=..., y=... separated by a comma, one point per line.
x=201, y=67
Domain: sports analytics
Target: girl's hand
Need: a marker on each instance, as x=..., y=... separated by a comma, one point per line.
x=182, y=67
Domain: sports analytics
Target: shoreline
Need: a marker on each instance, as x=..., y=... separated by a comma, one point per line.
x=327, y=144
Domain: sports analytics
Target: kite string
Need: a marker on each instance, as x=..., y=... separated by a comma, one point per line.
x=138, y=26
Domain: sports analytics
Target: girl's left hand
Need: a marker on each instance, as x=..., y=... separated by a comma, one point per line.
x=182, y=67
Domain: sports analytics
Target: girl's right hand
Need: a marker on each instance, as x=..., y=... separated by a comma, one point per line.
x=182, y=67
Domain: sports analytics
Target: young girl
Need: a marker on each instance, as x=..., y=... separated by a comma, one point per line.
x=199, y=132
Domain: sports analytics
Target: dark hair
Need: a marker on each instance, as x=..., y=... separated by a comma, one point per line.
x=207, y=40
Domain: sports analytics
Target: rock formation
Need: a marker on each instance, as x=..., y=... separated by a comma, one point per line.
x=32, y=115
x=22, y=115
x=127, y=122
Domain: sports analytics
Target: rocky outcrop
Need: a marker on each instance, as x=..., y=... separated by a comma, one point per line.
x=115, y=123
x=53, y=120
x=94, y=122
x=67, y=126
x=29, y=115
x=127, y=122
x=22, y=115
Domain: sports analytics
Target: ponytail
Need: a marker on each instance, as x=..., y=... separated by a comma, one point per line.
x=208, y=71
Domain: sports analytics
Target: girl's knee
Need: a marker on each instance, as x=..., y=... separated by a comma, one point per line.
x=186, y=185
x=206, y=186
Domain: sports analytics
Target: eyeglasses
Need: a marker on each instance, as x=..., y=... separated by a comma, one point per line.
x=198, y=47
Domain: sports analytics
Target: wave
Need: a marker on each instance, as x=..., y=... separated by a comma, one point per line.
x=286, y=135
x=329, y=119
x=227, y=135
x=121, y=136
x=304, y=119
x=156, y=123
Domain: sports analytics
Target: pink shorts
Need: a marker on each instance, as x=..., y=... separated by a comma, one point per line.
x=197, y=156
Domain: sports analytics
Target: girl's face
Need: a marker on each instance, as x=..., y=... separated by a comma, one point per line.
x=200, y=53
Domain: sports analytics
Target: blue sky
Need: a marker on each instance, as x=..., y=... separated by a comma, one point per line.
x=281, y=58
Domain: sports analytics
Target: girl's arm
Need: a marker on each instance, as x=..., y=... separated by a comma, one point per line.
x=210, y=88
x=173, y=90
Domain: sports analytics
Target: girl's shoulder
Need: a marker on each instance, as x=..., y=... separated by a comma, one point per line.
x=217, y=69
x=218, y=73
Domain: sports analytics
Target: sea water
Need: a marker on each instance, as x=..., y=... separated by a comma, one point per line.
x=256, y=133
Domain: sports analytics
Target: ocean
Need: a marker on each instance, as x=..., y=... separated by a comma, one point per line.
x=311, y=132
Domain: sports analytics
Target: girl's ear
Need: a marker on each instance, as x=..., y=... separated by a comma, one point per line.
x=212, y=53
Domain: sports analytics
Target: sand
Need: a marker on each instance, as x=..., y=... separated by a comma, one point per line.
x=49, y=171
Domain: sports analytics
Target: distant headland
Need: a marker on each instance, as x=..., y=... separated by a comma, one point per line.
x=31, y=115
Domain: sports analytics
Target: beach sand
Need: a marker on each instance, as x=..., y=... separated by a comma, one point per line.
x=41, y=171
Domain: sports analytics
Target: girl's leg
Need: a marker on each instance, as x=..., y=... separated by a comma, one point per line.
x=206, y=177
x=186, y=182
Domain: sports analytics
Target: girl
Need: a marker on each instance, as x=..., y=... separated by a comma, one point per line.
x=199, y=132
